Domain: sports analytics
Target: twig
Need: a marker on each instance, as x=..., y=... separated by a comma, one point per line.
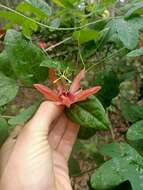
x=112, y=132
x=84, y=172
x=58, y=44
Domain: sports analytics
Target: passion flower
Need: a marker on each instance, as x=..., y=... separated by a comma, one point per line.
x=63, y=96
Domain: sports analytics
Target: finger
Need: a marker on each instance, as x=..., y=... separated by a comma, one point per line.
x=7, y=147
x=68, y=140
x=44, y=116
x=57, y=132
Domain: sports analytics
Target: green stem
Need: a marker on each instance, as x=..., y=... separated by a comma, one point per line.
x=51, y=27
x=6, y=116
x=105, y=59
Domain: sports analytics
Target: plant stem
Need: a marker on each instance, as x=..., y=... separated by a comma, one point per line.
x=51, y=27
x=112, y=132
x=58, y=44
x=6, y=116
x=84, y=172
x=105, y=59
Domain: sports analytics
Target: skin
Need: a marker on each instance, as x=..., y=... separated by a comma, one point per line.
x=37, y=159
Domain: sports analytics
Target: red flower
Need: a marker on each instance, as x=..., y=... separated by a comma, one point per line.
x=63, y=96
x=42, y=45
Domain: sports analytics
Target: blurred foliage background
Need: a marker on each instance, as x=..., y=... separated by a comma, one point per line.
x=106, y=38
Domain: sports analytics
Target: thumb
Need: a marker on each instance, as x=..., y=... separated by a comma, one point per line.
x=45, y=115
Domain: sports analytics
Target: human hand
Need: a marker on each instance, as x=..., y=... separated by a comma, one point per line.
x=37, y=160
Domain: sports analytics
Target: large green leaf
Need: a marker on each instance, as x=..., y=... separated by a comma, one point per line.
x=23, y=116
x=28, y=7
x=5, y=66
x=135, y=53
x=8, y=89
x=131, y=112
x=13, y=17
x=136, y=8
x=25, y=58
x=126, y=165
x=56, y=64
x=126, y=31
x=28, y=26
x=4, y=130
x=135, y=135
x=127, y=34
x=137, y=22
x=86, y=35
x=41, y=5
x=89, y=113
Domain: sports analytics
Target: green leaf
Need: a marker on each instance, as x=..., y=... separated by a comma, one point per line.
x=106, y=3
x=8, y=89
x=25, y=58
x=23, y=116
x=85, y=35
x=89, y=113
x=127, y=34
x=55, y=64
x=137, y=22
x=115, y=150
x=4, y=130
x=135, y=53
x=5, y=66
x=126, y=30
x=126, y=165
x=28, y=26
x=66, y=3
x=131, y=112
x=13, y=17
x=135, y=135
x=136, y=8
x=29, y=8
x=41, y=5
x=55, y=22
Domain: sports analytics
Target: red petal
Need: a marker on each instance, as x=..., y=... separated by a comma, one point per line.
x=48, y=93
x=86, y=93
x=53, y=77
x=65, y=100
x=76, y=82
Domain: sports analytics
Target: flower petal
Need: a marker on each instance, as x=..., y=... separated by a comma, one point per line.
x=48, y=93
x=53, y=77
x=76, y=82
x=65, y=100
x=86, y=93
